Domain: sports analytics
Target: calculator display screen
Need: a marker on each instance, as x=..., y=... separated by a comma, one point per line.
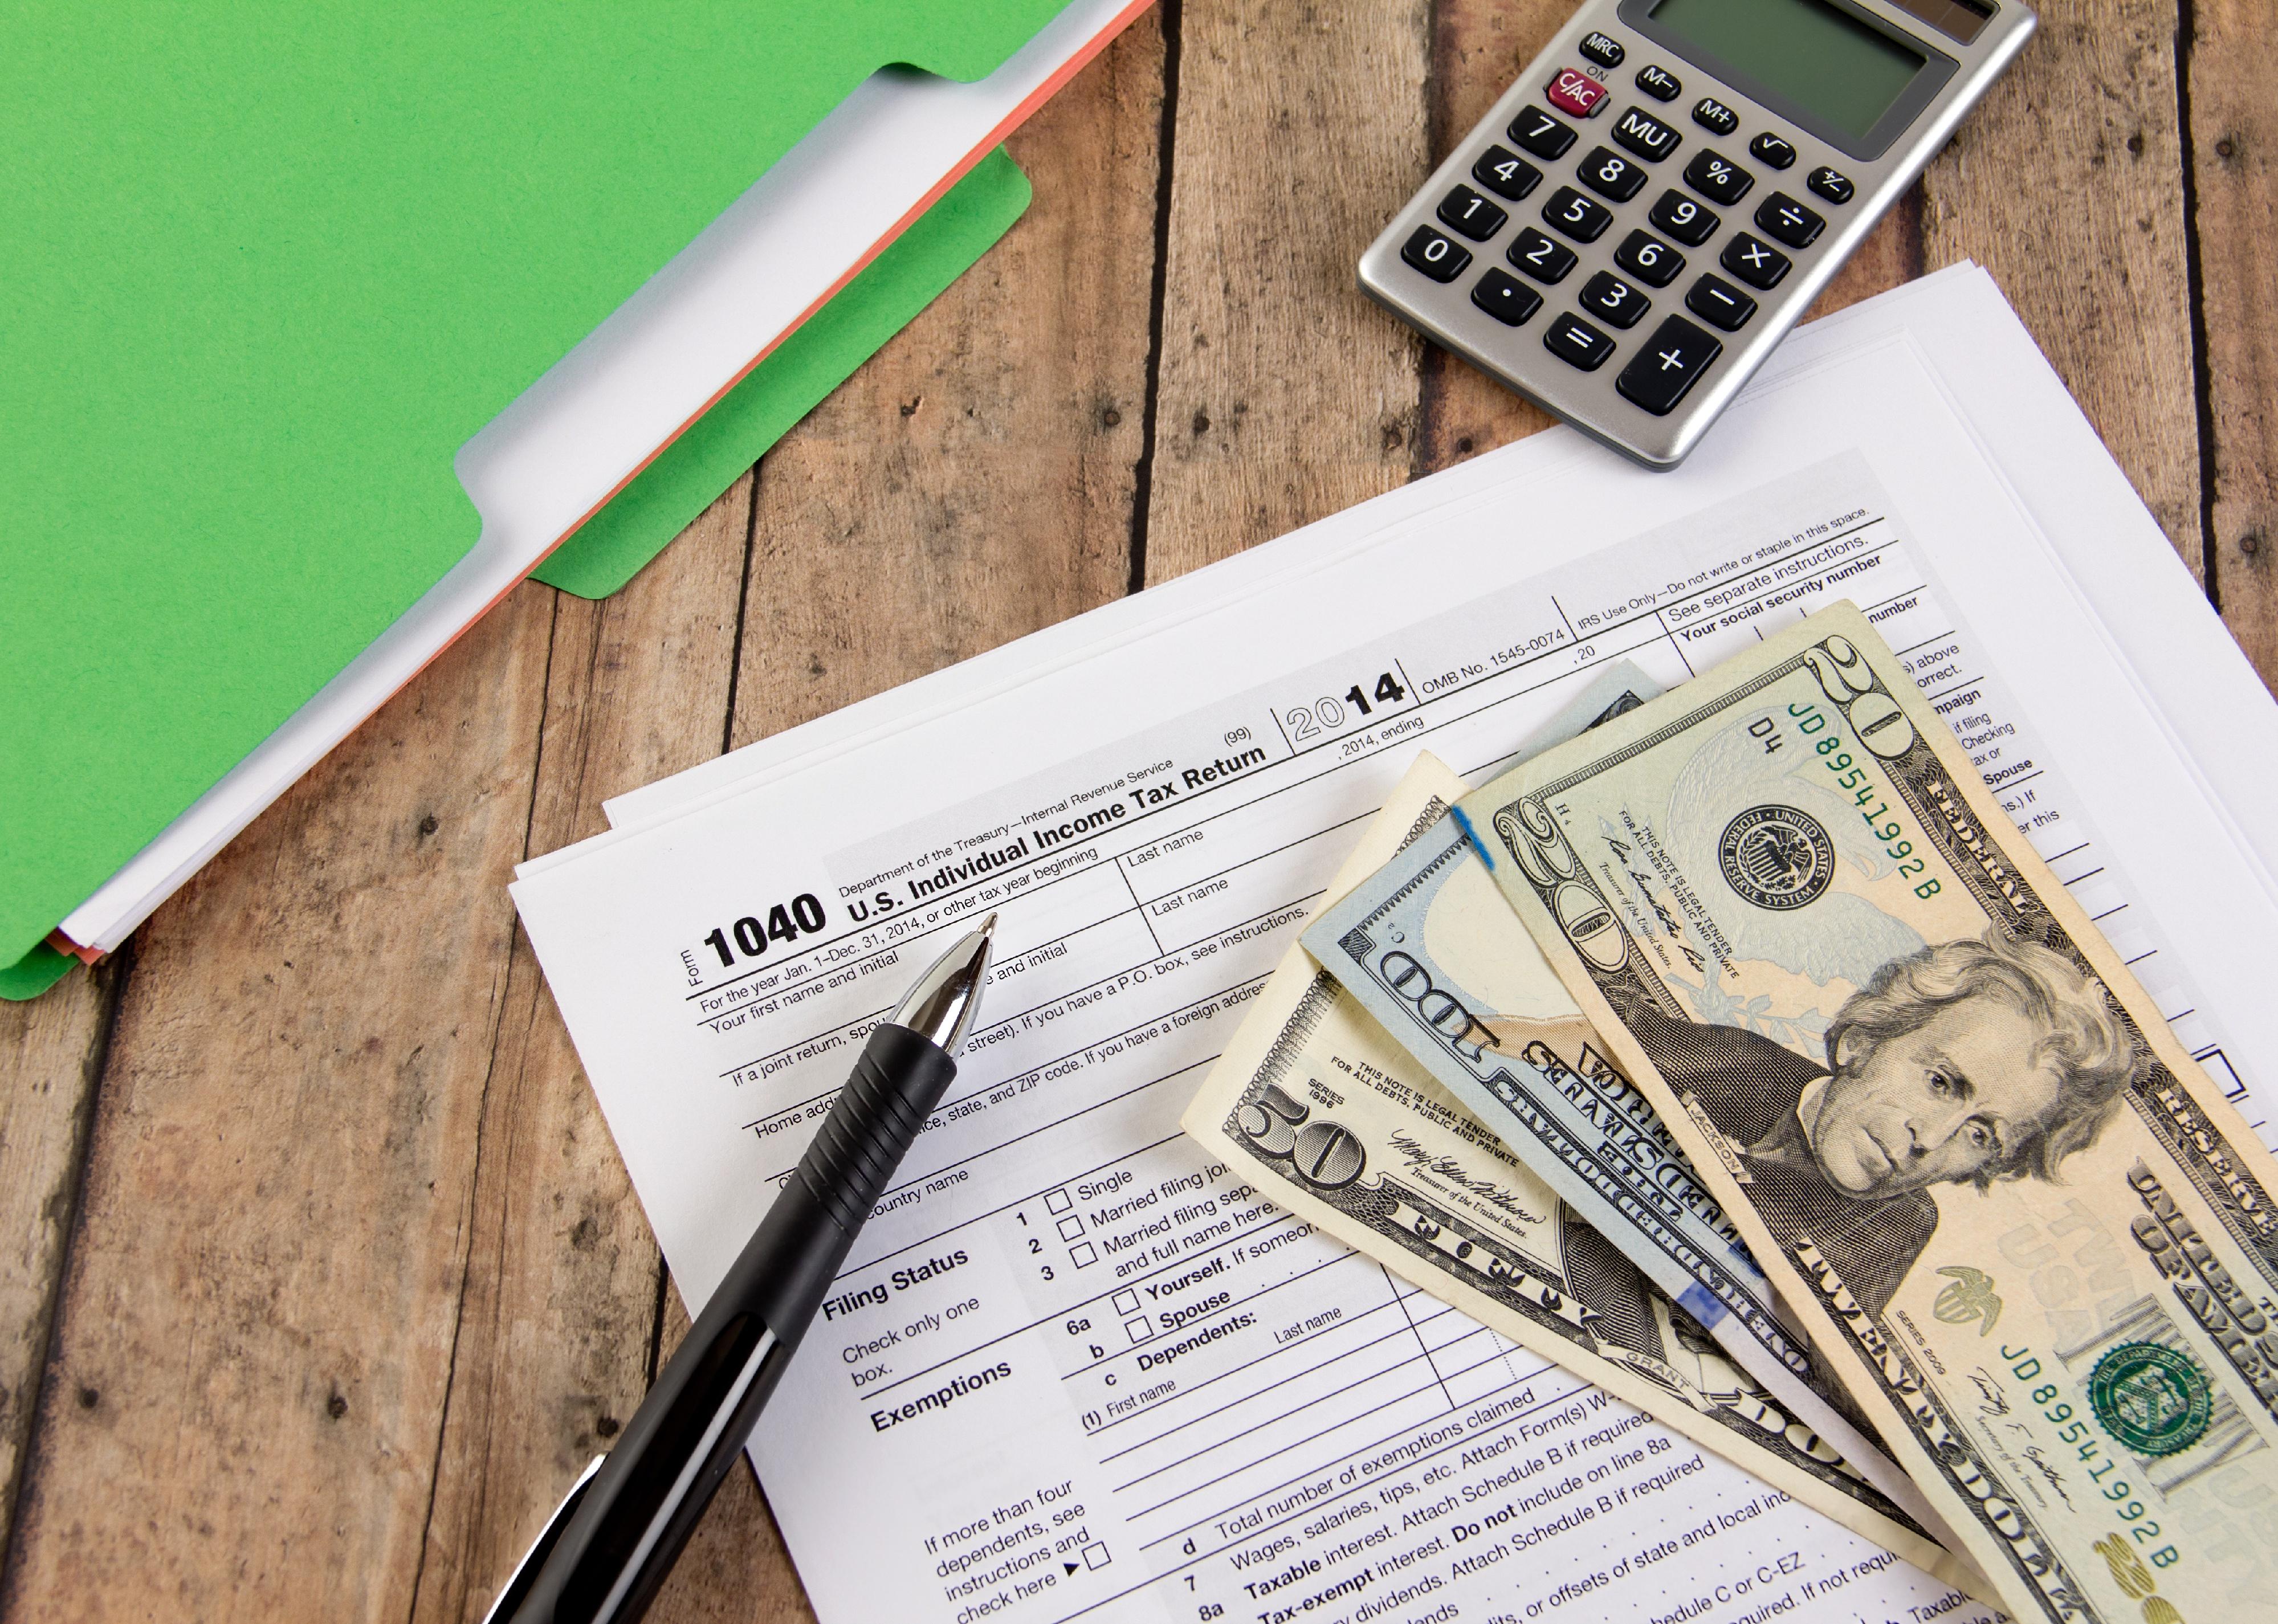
x=1829, y=63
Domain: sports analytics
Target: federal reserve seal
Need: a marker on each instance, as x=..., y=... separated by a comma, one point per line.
x=1776, y=857
x=2152, y=1399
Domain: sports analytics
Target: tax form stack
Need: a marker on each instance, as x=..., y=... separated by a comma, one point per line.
x=1229, y=1410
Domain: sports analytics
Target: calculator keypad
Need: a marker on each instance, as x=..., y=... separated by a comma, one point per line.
x=1717, y=179
x=1505, y=297
x=1781, y=216
x=1757, y=263
x=1646, y=135
x=1623, y=257
x=1611, y=299
x=1684, y=219
x=1542, y=134
x=1648, y=259
x=1466, y=211
x=1505, y=173
x=1439, y=257
x=1545, y=259
x=1576, y=216
x=1665, y=369
x=1578, y=344
x=1610, y=174
x=1775, y=150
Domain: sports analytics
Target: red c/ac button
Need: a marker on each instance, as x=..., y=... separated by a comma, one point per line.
x=1575, y=92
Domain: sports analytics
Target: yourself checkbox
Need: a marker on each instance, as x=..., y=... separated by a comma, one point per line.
x=1126, y=1301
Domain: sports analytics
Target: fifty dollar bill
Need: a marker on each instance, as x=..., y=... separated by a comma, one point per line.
x=2033, y=1238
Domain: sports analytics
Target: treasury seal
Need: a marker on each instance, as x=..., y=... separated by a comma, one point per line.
x=1775, y=857
x=2152, y=1399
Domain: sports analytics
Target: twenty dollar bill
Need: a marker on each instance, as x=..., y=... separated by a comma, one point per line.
x=2033, y=1238
x=1336, y=1122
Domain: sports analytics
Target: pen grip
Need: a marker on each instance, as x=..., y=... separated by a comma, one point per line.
x=649, y=1493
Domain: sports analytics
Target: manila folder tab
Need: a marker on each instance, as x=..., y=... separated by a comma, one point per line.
x=268, y=266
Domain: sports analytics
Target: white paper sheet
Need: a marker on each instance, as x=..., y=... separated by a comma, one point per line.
x=554, y=455
x=1074, y=1369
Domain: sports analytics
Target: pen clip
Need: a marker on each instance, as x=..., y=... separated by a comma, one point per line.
x=526, y=1571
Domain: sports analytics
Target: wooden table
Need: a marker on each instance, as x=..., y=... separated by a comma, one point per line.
x=321, y=1275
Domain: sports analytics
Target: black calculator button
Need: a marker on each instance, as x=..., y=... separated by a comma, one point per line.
x=1577, y=343
x=1612, y=300
x=1606, y=53
x=1610, y=174
x=1719, y=303
x=1441, y=258
x=1648, y=259
x=1505, y=297
x=1759, y=265
x=1775, y=150
x=1684, y=219
x=1831, y=184
x=1542, y=134
x=1659, y=83
x=1545, y=259
x=1789, y=220
x=1466, y=211
x=1576, y=216
x=1718, y=180
x=1711, y=114
x=1646, y=135
x=1505, y=173
x=1658, y=375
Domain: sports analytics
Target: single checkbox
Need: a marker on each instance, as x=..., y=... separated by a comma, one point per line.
x=1071, y=1228
x=1084, y=1254
x=1057, y=1201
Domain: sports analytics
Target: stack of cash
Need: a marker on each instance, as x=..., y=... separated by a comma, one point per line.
x=1714, y=1050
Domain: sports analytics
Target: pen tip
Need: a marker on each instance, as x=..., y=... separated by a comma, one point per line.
x=988, y=926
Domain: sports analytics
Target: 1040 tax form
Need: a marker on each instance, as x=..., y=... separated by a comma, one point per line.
x=1078, y=1368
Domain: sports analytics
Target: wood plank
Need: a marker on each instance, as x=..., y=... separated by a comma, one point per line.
x=2235, y=151
x=255, y=1327
x=974, y=481
x=552, y=1345
x=52, y=1054
x=1281, y=396
x=2067, y=184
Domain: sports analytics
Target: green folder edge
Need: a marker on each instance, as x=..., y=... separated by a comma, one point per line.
x=689, y=475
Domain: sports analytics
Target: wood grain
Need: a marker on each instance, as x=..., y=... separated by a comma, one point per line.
x=1280, y=396
x=51, y=1052
x=255, y=1320
x=974, y=481
x=2235, y=151
x=551, y=1348
x=2067, y=184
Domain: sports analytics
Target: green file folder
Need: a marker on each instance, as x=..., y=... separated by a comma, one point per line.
x=269, y=265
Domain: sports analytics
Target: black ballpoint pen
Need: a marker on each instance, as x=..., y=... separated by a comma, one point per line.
x=611, y=1542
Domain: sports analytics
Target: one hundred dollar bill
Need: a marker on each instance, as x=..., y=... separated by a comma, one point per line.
x=2034, y=1240
x=1434, y=951
x=1338, y=1123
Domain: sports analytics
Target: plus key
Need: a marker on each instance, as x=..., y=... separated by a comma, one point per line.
x=1660, y=373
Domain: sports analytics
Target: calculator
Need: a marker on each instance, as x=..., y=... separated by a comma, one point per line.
x=1645, y=213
